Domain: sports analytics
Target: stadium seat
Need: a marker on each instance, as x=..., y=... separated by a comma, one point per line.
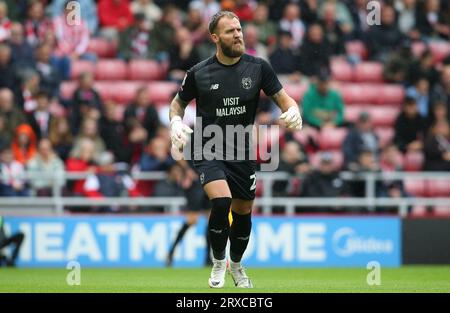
x=341, y=70
x=106, y=89
x=338, y=159
x=391, y=94
x=80, y=66
x=103, y=48
x=359, y=93
x=385, y=135
x=144, y=70
x=440, y=50
x=110, y=70
x=413, y=161
x=381, y=115
x=438, y=188
x=331, y=138
x=296, y=91
x=416, y=187
x=162, y=91
x=357, y=48
x=418, y=48
x=125, y=91
x=369, y=72
x=67, y=89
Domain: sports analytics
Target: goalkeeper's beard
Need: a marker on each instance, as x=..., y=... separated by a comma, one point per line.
x=234, y=50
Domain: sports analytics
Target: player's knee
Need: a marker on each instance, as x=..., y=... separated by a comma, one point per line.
x=220, y=210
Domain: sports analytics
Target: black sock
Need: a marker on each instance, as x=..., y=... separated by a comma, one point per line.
x=219, y=226
x=239, y=235
x=180, y=236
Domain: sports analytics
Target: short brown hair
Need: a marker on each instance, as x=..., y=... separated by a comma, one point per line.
x=216, y=18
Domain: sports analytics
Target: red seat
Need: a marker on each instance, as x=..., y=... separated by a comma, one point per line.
x=162, y=91
x=391, y=94
x=383, y=115
x=296, y=91
x=106, y=89
x=144, y=70
x=341, y=70
x=414, y=161
x=103, y=48
x=81, y=66
x=440, y=50
x=357, y=48
x=438, y=188
x=416, y=187
x=352, y=112
x=331, y=138
x=125, y=91
x=385, y=135
x=359, y=93
x=67, y=89
x=369, y=72
x=338, y=159
x=110, y=70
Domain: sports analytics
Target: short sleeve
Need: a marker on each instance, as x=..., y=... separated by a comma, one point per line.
x=188, y=90
x=269, y=83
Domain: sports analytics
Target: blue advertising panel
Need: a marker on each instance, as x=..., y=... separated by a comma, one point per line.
x=143, y=241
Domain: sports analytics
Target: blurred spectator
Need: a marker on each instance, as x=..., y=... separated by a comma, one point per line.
x=46, y=169
x=324, y=182
x=391, y=159
x=323, y=106
x=267, y=29
x=294, y=161
x=12, y=183
x=423, y=67
x=89, y=129
x=172, y=186
x=156, y=156
x=283, y=59
x=13, y=115
x=420, y=92
x=5, y=22
x=29, y=88
x=5, y=241
x=60, y=136
x=430, y=21
x=41, y=118
x=85, y=99
x=441, y=91
x=71, y=40
x=37, y=24
x=135, y=39
x=151, y=11
x=113, y=133
x=342, y=14
x=115, y=16
x=315, y=52
x=6, y=136
x=164, y=31
x=333, y=29
x=292, y=23
x=406, y=17
x=196, y=25
x=182, y=55
x=398, y=63
x=439, y=113
x=309, y=9
x=244, y=10
x=207, y=7
x=143, y=112
x=437, y=148
x=384, y=38
x=48, y=72
x=409, y=127
x=252, y=45
x=358, y=11
x=82, y=159
x=24, y=144
x=88, y=10
x=62, y=62
x=8, y=73
x=22, y=52
x=360, y=138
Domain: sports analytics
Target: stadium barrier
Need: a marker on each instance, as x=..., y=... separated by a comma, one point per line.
x=56, y=203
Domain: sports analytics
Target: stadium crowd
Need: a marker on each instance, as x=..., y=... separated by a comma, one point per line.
x=91, y=92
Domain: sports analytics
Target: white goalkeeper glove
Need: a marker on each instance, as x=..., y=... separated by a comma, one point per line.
x=179, y=132
x=292, y=118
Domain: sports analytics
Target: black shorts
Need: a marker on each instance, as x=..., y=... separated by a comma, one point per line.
x=240, y=176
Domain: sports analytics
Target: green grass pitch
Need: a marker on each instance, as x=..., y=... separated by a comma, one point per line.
x=293, y=280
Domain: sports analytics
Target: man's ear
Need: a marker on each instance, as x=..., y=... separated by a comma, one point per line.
x=215, y=38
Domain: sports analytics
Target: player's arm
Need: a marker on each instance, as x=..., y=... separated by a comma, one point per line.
x=177, y=107
x=179, y=132
x=289, y=108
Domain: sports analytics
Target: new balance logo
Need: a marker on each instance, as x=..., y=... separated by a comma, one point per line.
x=217, y=231
x=214, y=87
x=243, y=238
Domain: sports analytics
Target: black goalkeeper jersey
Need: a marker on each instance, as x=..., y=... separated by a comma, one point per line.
x=227, y=96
